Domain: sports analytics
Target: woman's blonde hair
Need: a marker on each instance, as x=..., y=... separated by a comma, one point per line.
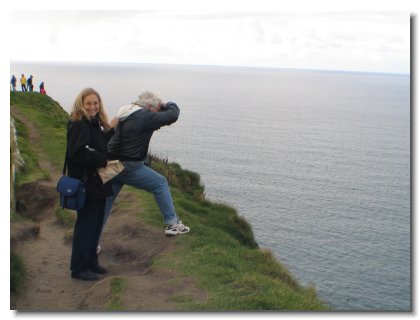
x=79, y=113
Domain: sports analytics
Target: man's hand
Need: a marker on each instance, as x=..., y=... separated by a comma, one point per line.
x=113, y=123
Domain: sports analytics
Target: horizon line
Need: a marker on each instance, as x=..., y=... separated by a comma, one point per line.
x=210, y=65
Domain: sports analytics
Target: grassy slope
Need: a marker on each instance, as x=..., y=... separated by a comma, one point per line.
x=49, y=119
x=220, y=251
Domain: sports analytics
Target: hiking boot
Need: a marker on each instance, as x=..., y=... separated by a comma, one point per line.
x=85, y=275
x=177, y=228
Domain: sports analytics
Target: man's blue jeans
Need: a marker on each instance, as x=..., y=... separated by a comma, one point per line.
x=143, y=177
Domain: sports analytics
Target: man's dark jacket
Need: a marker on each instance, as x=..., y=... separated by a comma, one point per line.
x=132, y=136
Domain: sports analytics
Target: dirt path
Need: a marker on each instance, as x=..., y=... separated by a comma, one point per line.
x=129, y=247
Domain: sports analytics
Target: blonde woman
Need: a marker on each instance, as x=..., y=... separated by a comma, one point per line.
x=87, y=135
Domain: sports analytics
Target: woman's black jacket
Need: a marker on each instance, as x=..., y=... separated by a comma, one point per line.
x=87, y=150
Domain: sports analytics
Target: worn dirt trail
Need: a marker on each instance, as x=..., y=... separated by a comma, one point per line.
x=128, y=249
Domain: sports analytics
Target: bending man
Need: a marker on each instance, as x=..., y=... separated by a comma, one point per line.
x=130, y=144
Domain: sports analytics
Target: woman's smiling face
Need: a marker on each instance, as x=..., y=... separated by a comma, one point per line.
x=91, y=105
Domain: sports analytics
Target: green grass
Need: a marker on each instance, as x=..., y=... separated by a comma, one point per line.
x=50, y=120
x=65, y=216
x=14, y=216
x=220, y=252
x=115, y=302
x=181, y=298
x=186, y=181
x=31, y=170
x=17, y=272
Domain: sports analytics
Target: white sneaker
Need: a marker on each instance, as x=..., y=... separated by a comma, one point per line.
x=177, y=228
x=98, y=249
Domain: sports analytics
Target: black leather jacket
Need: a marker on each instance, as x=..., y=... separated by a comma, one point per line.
x=86, y=147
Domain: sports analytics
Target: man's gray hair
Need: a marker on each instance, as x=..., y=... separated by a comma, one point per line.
x=147, y=99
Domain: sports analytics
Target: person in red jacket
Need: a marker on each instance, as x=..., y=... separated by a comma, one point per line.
x=42, y=88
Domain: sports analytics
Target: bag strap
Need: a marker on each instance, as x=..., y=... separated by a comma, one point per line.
x=84, y=178
x=67, y=150
x=65, y=164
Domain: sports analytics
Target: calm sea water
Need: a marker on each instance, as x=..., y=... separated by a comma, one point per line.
x=317, y=162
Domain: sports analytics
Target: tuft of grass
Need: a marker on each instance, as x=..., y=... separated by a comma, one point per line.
x=68, y=219
x=181, y=298
x=187, y=181
x=65, y=216
x=14, y=216
x=115, y=302
x=17, y=272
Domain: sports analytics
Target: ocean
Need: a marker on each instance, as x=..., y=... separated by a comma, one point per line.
x=317, y=161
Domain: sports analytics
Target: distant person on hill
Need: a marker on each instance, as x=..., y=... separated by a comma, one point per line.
x=136, y=125
x=88, y=132
x=30, y=83
x=23, y=83
x=13, y=83
x=42, y=88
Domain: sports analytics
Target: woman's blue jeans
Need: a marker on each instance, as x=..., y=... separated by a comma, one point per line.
x=143, y=177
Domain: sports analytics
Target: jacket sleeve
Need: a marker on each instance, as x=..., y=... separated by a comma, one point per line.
x=109, y=134
x=168, y=115
x=78, y=147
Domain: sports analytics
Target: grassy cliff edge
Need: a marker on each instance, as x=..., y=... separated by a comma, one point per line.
x=220, y=251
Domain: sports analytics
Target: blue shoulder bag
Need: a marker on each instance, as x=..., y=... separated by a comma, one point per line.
x=72, y=191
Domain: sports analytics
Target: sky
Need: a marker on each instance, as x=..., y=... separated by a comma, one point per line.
x=350, y=40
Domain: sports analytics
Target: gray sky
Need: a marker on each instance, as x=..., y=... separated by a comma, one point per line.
x=359, y=41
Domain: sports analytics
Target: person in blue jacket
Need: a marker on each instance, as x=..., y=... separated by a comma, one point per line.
x=30, y=83
x=87, y=135
x=13, y=83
